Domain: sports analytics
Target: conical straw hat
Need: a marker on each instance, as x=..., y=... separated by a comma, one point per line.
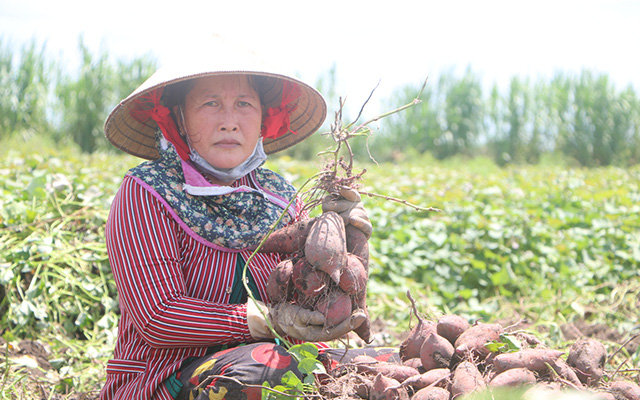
x=216, y=57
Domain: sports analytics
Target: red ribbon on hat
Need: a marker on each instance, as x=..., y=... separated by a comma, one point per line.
x=276, y=121
x=148, y=106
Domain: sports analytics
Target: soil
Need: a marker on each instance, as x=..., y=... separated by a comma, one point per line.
x=42, y=378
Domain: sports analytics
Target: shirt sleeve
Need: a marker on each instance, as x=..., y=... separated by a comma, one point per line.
x=143, y=247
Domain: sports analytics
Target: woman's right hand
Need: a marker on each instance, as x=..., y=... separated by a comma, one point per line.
x=350, y=207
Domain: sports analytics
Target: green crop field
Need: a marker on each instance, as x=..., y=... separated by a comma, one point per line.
x=551, y=249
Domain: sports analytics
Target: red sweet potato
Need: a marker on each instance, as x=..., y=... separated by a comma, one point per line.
x=543, y=390
x=415, y=363
x=325, y=247
x=528, y=338
x=364, y=359
x=279, y=281
x=385, y=388
x=451, y=327
x=436, y=352
x=357, y=244
x=473, y=340
x=431, y=393
x=513, y=377
x=587, y=357
x=395, y=371
x=363, y=386
x=289, y=239
x=533, y=359
x=354, y=276
x=308, y=281
x=335, y=306
x=624, y=389
x=466, y=379
x=566, y=372
x=364, y=330
x=410, y=347
x=435, y=377
x=604, y=396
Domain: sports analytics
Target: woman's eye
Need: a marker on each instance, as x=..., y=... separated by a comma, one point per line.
x=244, y=104
x=211, y=103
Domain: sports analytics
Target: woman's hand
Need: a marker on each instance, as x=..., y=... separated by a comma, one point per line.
x=349, y=206
x=297, y=322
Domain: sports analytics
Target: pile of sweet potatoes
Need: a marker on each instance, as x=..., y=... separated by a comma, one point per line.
x=452, y=359
x=326, y=268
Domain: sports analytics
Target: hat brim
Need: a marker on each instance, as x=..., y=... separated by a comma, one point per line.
x=138, y=138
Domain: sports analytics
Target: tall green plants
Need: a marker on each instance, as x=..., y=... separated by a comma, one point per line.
x=463, y=108
x=584, y=117
x=602, y=125
x=44, y=99
x=24, y=90
x=85, y=100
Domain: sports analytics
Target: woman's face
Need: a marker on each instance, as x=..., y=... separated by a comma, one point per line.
x=223, y=117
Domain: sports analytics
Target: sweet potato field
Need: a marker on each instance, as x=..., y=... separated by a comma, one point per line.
x=553, y=252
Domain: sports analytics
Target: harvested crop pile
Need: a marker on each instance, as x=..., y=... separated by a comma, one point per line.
x=326, y=269
x=449, y=358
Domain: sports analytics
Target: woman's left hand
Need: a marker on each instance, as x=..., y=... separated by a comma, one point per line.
x=297, y=322
x=349, y=206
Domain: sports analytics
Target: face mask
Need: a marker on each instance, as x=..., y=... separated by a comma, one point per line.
x=256, y=159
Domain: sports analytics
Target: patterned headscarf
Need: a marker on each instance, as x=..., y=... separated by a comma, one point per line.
x=235, y=219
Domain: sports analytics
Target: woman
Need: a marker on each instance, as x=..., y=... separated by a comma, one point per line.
x=182, y=225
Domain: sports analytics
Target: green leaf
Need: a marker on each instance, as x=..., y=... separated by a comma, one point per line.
x=495, y=346
x=438, y=238
x=311, y=366
x=511, y=341
x=304, y=350
x=290, y=380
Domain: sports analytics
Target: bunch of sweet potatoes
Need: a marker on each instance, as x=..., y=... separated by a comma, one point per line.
x=326, y=268
x=451, y=359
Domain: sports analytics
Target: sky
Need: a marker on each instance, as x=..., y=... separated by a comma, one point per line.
x=390, y=43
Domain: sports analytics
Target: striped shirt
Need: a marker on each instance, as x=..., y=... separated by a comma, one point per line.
x=173, y=291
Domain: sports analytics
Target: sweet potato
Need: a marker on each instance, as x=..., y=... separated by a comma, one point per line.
x=624, y=389
x=542, y=391
x=395, y=371
x=335, y=306
x=528, y=338
x=466, y=379
x=587, y=357
x=436, y=352
x=435, y=377
x=354, y=276
x=431, y=393
x=410, y=347
x=451, y=327
x=513, y=377
x=364, y=359
x=363, y=386
x=357, y=244
x=325, y=247
x=606, y=396
x=566, y=372
x=279, y=281
x=289, y=239
x=364, y=330
x=308, y=281
x=533, y=359
x=415, y=363
x=385, y=388
x=473, y=340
